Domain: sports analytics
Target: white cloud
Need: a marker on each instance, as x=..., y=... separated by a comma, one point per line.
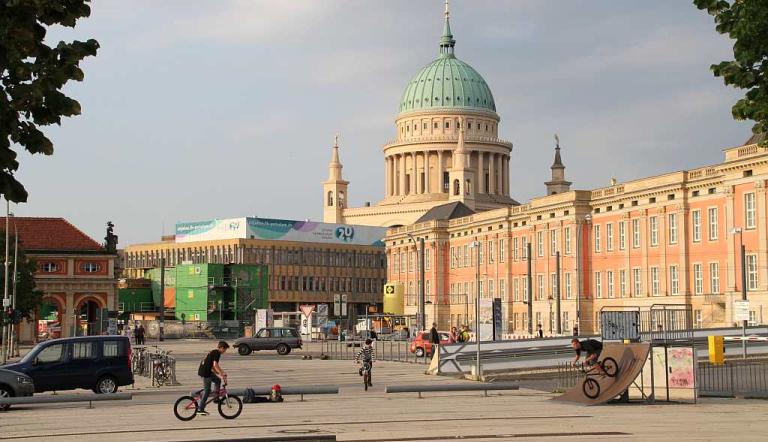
x=250, y=22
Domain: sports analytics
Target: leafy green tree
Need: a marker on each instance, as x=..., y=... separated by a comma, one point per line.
x=32, y=75
x=746, y=22
x=28, y=296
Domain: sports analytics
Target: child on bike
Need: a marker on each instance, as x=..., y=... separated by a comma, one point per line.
x=368, y=355
x=212, y=373
x=593, y=349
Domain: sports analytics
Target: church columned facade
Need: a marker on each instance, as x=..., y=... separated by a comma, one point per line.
x=447, y=148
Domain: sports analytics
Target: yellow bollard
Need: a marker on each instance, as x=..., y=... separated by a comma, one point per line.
x=716, y=349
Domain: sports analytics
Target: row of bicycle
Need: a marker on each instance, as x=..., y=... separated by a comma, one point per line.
x=155, y=363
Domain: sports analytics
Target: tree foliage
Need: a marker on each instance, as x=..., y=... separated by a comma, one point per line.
x=28, y=296
x=32, y=75
x=746, y=22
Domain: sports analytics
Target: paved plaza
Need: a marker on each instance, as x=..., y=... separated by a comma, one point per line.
x=356, y=415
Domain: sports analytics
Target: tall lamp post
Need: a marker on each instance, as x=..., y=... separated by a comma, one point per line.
x=476, y=245
x=6, y=299
x=587, y=219
x=549, y=301
x=421, y=313
x=742, y=250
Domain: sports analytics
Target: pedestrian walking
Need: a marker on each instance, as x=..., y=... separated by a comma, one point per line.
x=575, y=330
x=142, y=335
x=136, y=337
x=434, y=337
x=539, y=331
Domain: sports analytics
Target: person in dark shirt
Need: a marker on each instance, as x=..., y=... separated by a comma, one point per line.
x=593, y=349
x=212, y=373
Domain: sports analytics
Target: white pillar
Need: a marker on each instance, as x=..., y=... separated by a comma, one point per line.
x=491, y=173
x=439, y=171
x=426, y=172
x=401, y=171
x=480, y=177
x=413, y=173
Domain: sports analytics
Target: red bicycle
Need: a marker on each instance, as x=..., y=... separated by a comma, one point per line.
x=230, y=407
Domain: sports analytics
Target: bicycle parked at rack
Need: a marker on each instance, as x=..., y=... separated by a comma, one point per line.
x=590, y=386
x=138, y=359
x=229, y=406
x=162, y=372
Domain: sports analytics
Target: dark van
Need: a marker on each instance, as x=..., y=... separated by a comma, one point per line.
x=98, y=363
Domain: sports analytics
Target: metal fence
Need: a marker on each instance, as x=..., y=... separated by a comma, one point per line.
x=568, y=376
x=731, y=378
x=392, y=350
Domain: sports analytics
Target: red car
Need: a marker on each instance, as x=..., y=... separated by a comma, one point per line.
x=421, y=343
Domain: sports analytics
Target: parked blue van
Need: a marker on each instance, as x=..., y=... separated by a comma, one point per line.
x=98, y=363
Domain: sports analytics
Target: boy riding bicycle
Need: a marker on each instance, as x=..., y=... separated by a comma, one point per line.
x=212, y=373
x=593, y=349
x=368, y=356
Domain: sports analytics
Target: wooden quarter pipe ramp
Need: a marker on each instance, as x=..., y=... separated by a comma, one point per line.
x=630, y=359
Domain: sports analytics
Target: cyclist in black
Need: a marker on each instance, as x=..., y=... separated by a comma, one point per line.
x=212, y=373
x=593, y=349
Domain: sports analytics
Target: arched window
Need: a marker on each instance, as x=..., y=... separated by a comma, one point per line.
x=456, y=190
x=340, y=199
x=468, y=187
x=330, y=198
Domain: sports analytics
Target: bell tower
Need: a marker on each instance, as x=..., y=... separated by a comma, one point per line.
x=557, y=184
x=462, y=186
x=334, y=189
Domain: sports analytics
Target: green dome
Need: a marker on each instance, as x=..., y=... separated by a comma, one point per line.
x=447, y=83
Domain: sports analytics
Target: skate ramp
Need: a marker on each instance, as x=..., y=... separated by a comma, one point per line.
x=630, y=359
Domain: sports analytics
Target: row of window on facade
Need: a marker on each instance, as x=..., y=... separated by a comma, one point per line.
x=53, y=267
x=610, y=283
x=447, y=125
x=327, y=284
x=308, y=257
x=461, y=256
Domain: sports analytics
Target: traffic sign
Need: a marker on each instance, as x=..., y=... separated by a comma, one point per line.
x=307, y=309
x=741, y=310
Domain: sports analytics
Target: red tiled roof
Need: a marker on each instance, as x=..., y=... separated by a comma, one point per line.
x=50, y=234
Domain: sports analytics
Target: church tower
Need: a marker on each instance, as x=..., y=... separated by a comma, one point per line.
x=462, y=184
x=334, y=190
x=557, y=184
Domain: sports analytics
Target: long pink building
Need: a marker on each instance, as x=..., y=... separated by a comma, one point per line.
x=668, y=239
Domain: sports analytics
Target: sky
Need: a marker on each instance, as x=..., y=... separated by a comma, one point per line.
x=196, y=109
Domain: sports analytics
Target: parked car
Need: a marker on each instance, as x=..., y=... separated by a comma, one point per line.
x=14, y=384
x=282, y=339
x=421, y=343
x=98, y=363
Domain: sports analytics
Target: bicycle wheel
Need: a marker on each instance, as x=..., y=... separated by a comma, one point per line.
x=185, y=408
x=230, y=407
x=591, y=388
x=610, y=367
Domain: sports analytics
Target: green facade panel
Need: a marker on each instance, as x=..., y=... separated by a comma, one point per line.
x=154, y=276
x=199, y=275
x=133, y=300
x=192, y=303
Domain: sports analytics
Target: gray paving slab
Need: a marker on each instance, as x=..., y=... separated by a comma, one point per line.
x=356, y=415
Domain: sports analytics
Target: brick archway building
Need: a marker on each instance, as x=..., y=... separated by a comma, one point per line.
x=72, y=268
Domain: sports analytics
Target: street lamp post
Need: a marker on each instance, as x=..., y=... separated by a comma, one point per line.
x=421, y=313
x=6, y=300
x=742, y=250
x=476, y=245
x=586, y=220
x=549, y=301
